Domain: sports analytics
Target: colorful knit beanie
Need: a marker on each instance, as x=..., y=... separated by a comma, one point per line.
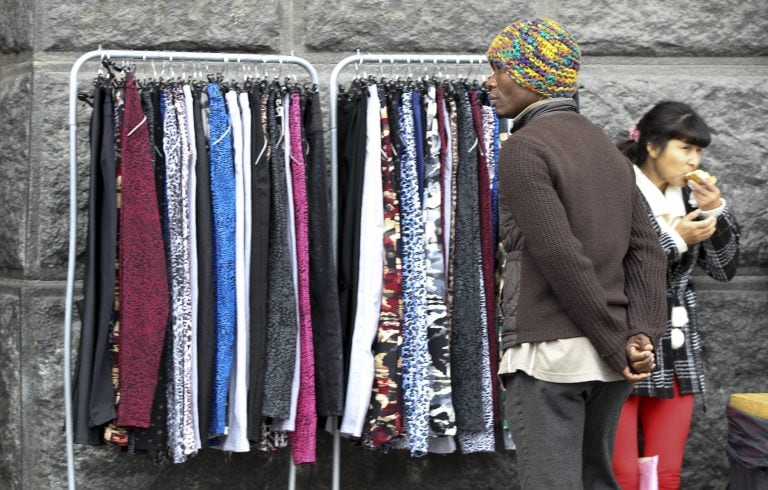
x=539, y=55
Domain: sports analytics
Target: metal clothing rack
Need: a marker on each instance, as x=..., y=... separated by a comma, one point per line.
x=413, y=61
x=134, y=56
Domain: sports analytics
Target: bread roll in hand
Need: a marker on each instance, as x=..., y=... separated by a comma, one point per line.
x=701, y=177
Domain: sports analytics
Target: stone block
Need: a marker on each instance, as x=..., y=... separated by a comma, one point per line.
x=245, y=25
x=49, y=169
x=655, y=28
x=44, y=459
x=209, y=469
x=660, y=28
x=15, y=116
x=42, y=410
x=732, y=320
x=16, y=25
x=734, y=362
x=42, y=349
x=727, y=95
x=362, y=468
x=10, y=388
x=379, y=26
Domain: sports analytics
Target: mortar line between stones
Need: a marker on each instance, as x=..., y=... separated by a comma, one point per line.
x=27, y=242
x=287, y=26
x=297, y=36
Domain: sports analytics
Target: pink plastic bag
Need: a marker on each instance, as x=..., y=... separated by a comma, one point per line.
x=649, y=476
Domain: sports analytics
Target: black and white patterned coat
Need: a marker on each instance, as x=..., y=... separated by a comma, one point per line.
x=718, y=257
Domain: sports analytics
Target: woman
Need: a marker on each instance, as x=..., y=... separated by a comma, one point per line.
x=695, y=226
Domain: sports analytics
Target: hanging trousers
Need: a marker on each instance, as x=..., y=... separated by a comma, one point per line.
x=326, y=321
x=85, y=433
x=260, y=192
x=352, y=130
x=206, y=316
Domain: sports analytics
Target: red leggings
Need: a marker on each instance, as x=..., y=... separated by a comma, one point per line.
x=665, y=424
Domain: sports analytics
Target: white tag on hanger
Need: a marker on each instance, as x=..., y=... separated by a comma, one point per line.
x=679, y=316
x=279, y=108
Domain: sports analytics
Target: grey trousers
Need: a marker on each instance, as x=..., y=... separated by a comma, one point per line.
x=564, y=431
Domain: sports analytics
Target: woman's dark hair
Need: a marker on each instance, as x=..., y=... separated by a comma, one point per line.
x=666, y=121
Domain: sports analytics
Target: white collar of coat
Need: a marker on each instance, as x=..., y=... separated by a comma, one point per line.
x=668, y=206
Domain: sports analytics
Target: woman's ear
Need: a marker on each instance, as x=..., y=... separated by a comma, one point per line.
x=652, y=150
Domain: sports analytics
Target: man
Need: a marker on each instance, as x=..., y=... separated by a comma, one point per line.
x=591, y=298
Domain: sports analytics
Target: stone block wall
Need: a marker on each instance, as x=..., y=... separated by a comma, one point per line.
x=713, y=55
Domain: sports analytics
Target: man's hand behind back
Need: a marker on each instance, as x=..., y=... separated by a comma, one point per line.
x=640, y=358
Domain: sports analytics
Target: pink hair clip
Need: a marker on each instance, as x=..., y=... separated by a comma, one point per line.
x=634, y=133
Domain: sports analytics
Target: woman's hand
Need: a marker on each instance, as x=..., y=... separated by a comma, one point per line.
x=693, y=231
x=707, y=195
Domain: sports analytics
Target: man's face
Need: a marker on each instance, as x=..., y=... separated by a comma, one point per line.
x=507, y=96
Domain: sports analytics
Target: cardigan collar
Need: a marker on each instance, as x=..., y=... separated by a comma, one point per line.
x=542, y=107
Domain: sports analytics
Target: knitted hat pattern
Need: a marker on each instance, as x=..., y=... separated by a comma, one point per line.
x=538, y=54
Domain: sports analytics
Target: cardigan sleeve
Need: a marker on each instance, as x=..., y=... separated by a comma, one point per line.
x=670, y=243
x=645, y=272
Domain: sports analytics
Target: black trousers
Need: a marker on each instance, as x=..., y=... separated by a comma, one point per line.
x=323, y=280
x=87, y=307
x=102, y=406
x=206, y=321
x=260, y=212
x=351, y=165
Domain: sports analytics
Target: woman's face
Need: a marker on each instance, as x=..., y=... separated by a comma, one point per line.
x=507, y=96
x=669, y=166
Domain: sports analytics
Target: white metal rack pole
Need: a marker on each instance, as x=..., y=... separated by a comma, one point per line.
x=128, y=55
x=380, y=60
